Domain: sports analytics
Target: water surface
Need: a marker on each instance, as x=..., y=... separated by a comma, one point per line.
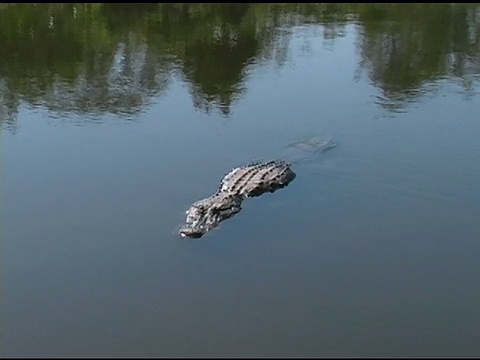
x=115, y=118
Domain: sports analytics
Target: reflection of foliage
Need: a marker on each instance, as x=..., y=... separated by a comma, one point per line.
x=213, y=45
x=115, y=57
x=406, y=47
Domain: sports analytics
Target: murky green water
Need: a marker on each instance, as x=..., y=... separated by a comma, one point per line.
x=115, y=118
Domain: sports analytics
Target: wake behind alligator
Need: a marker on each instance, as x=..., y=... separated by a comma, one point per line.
x=240, y=183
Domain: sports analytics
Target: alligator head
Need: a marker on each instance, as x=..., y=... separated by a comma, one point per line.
x=206, y=214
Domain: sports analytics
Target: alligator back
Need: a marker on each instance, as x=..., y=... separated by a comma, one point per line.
x=257, y=178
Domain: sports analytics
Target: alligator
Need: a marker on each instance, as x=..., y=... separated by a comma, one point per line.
x=240, y=183
x=244, y=182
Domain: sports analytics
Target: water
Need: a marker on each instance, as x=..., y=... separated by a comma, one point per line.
x=116, y=118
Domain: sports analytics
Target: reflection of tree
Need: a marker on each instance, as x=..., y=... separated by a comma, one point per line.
x=96, y=58
x=215, y=66
x=405, y=47
x=212, y=45
x=8, y=107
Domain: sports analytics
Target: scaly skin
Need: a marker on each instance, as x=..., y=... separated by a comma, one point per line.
x=206, y=214
x=257, y=178
x=240, y=183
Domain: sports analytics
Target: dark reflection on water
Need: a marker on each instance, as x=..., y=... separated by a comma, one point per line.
x=116, y=58
x=117, y=117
